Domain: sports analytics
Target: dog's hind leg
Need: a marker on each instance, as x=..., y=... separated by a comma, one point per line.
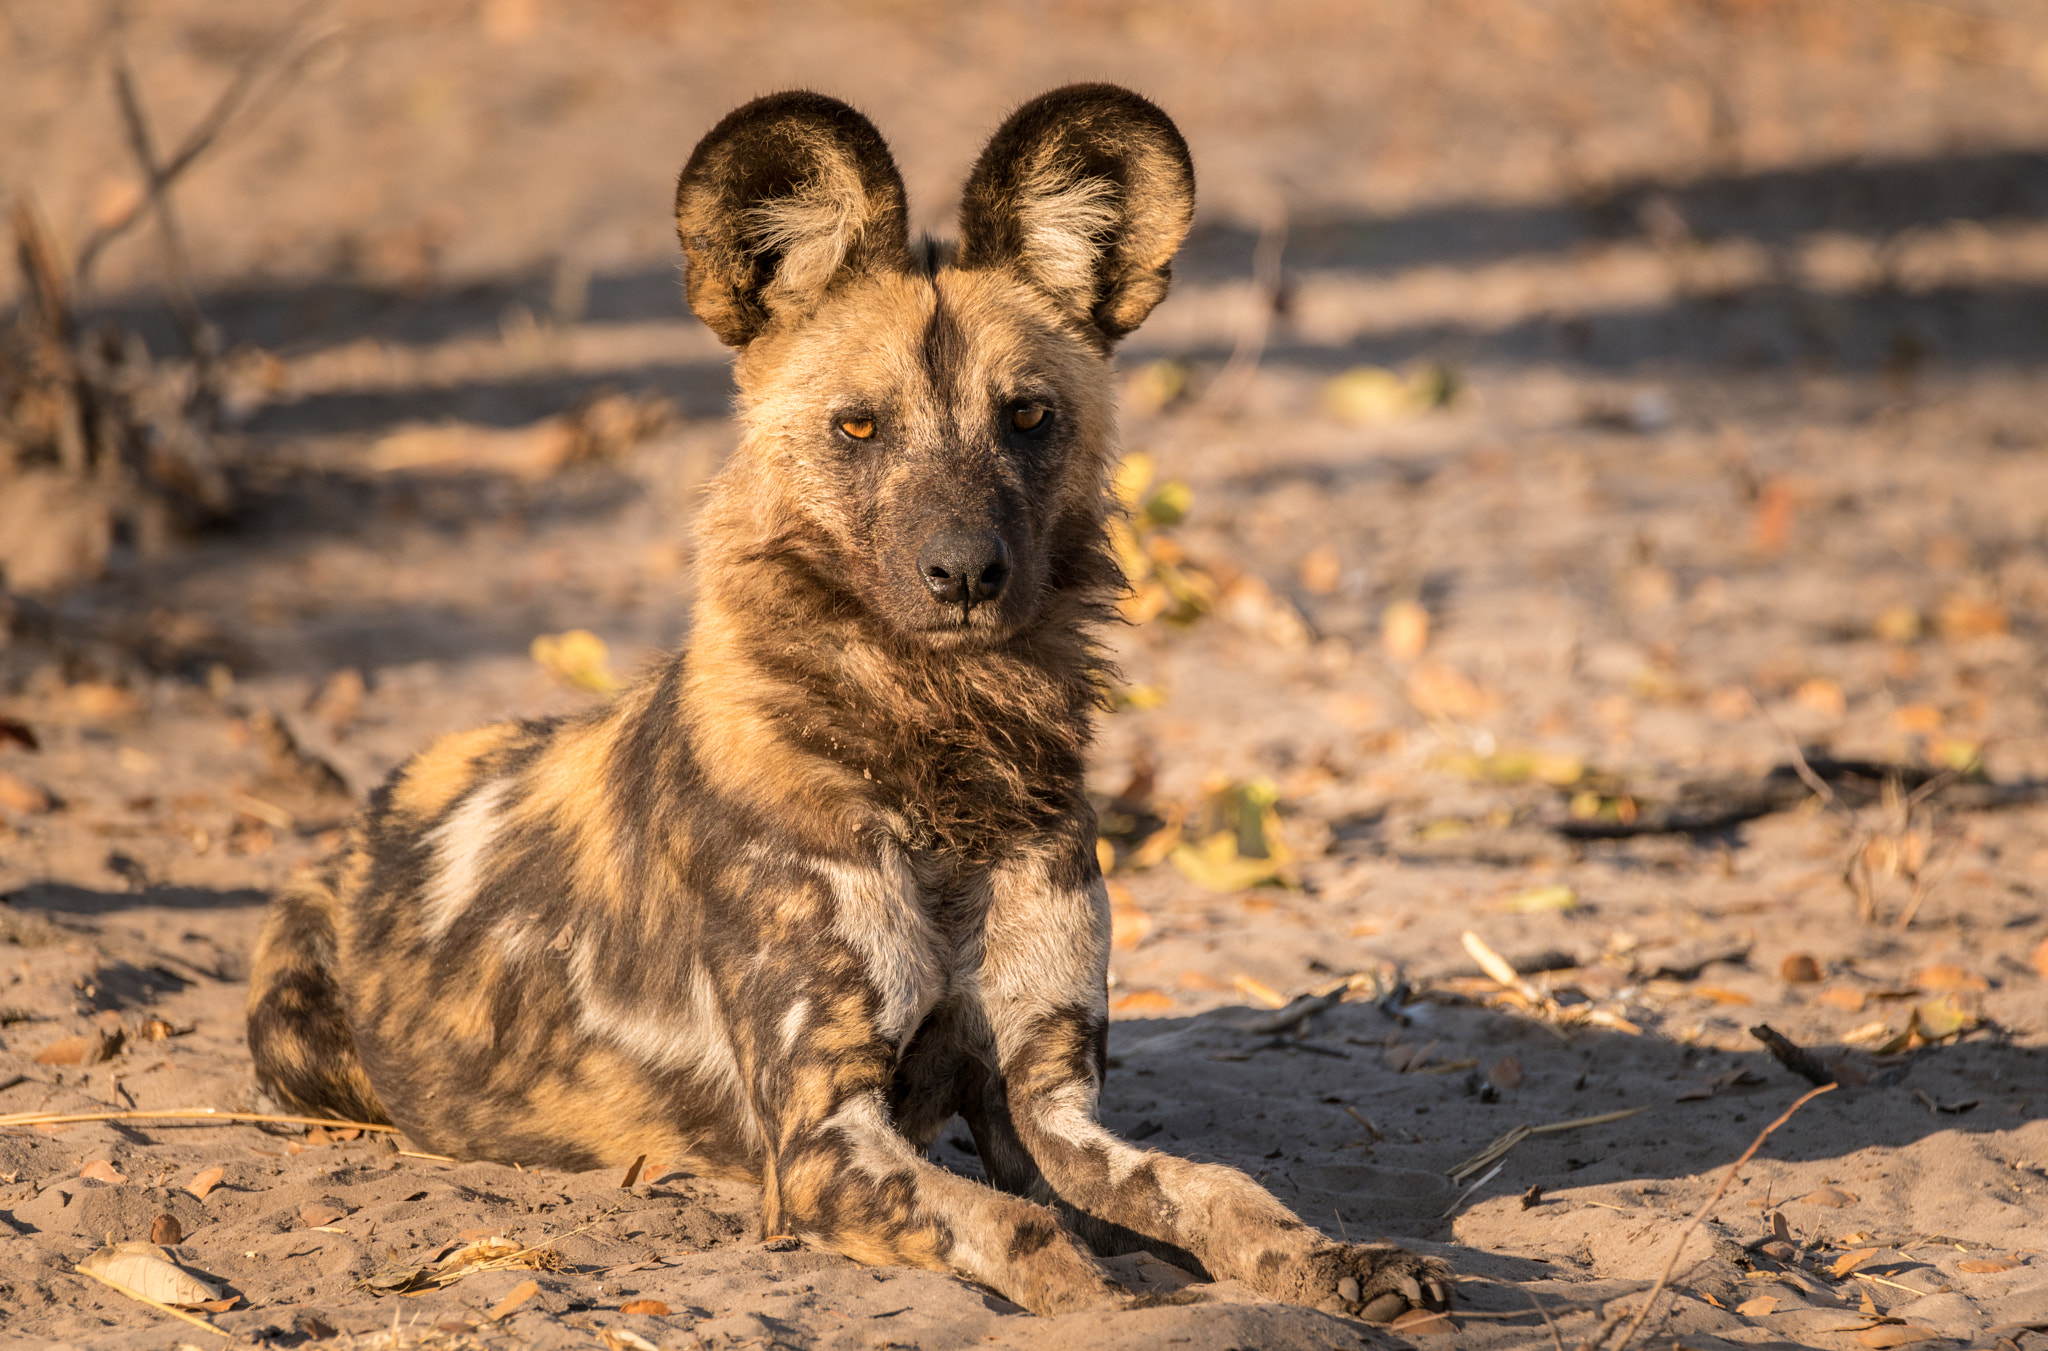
x=1045, y=995
x=299, y=1035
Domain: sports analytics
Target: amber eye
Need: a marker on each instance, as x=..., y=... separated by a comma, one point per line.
x=859, y=428
x=1028, y=418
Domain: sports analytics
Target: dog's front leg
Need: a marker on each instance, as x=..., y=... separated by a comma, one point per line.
x=838, y=1174
x=1044, y=986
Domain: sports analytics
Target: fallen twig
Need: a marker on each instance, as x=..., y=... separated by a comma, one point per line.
x=186, y=1114
x=1798, y=1059
x=1699, y=1216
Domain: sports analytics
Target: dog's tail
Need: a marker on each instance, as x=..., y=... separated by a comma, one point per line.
x=299, y=1035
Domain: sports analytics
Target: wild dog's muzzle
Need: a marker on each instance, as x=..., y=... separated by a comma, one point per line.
x=965, y=567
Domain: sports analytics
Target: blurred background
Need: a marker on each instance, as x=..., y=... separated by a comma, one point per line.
x=1637, y=382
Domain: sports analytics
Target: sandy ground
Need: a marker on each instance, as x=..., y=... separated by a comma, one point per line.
x=1746, y=309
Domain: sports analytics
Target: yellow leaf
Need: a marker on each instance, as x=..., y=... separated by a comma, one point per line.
x=1133, y=476
x=1367, y=394
x=1758, y=1307
x=1542, y=900
x=1143, y=1001
x=578, y=658
x=1169, y=504
x=1215, y=864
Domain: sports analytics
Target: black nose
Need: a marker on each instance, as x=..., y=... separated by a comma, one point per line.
x=965, y=567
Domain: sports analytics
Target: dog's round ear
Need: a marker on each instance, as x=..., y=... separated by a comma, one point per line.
x=784, y=197
x=1086, y=192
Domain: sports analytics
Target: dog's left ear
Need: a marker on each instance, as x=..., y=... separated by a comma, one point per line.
x=1086, y=192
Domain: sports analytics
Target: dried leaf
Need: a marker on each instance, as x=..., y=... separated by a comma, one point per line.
x=1256, y=990
x=578, y=658
x=315, y=1215
x=1721, y=994
x=1322, y=570
x=1404, y=630
x=647, y=1306
x=632, y=1172
x=1832, y=1197
x=1845, y=999
x=1799, y=968
x=2039, y=960
x=1143, y=1001
x=1441, y=689
x=1821, y=696
x=1964, y=617
x=1849, y=1261
x=87, y=1049
x=166, y=1231
x=1896, y=1334
x=1984, y=1265
x=102, y=1171
x=1780, y=1226
x=144, y=1271
x=206, y=1181
x=1936, y=979
x=19, y=732
x=1758, y=1307
x=23, y=798
x=1505, y=1073
x=514, y=1297
x=1128, y=927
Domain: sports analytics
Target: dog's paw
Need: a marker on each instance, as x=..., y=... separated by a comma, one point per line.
x=1376, y=1282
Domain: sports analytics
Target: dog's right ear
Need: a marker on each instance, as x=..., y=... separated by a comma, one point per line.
x=786, y=196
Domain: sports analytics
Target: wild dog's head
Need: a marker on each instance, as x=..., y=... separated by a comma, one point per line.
x=929, y=427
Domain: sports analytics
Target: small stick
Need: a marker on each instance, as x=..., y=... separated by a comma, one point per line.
x=185, y=1114
x=1298, y=1012
x=1366, y=1122
x=1600, y=1334
x=194, y=1319
x=1555, y=1340
x=200, y=138
x=1700, y=1215
x=1795, y=1057
x=437, y=1158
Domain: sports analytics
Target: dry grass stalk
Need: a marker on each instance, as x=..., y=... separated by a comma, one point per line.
x=1699, y=1216
x=186, y=1114
x=1499, y=1149
x=1525, y=996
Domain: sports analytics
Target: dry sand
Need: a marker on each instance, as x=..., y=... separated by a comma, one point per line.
x=1750, y=452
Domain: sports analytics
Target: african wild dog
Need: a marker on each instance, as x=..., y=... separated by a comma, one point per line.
x=827, y=877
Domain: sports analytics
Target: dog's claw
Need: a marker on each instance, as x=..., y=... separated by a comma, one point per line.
x=1378, y=1283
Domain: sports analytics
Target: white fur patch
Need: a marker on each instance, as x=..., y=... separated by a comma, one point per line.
x=793, y=1023
x=877, y=912
x=1066, y=227
x=461, y=847
x=691, y=1036
x=812, y=229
